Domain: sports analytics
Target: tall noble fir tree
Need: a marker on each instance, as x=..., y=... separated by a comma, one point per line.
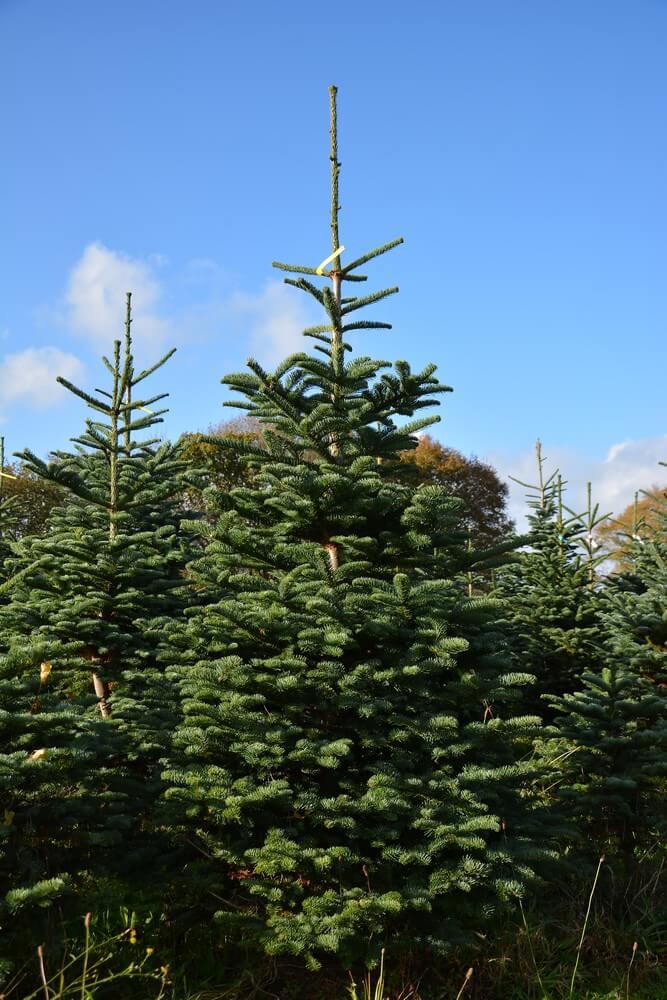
x=346, y=769
x=85, y=713
x=551, y=592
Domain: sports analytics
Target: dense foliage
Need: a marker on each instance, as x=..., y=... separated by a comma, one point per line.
x=295, y=687
x=85, y=714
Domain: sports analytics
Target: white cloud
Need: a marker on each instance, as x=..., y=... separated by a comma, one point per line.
x=30, y=376
x=632, y=465
x=202, y=270
x=96, y=291
x=627, y=467
x=269, y=321
x=274, y=319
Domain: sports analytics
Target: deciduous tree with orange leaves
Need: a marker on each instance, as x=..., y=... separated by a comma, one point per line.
x=475, y=482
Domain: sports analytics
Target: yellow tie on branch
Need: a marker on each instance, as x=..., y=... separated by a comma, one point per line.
x=332, y=256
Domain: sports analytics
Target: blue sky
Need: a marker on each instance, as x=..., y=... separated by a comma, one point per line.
x=177, y=148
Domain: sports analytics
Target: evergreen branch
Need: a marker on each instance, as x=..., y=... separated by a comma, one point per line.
x=55, y=473
x=238, y=405
x=143, y=403
x=91, y=445
x=263, y=377
x=233, y=444
x=145, y=422
x=320, y=328
x=96, y=435
x=299, y=269
x=370, y=255
x=158, y=364
x=22, y=573
x=145, y=445
x=332, y=306
x=85, y=396
x=418, y=425
x=530, y=486
x=296, y=268
x=366, y=324
x=319, y=336
x=368, y=300
x=242, y=382
x=100, y=428
x=289, y=362
x=307, y=286
x=274, y=391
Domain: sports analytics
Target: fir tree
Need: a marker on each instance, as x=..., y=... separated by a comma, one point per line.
x=551, y=591
x=612, y=753
x=612, y=730
x=346, y=768
x=636, y=521
x=618, y=721
x=636, y=606
x=85, y=713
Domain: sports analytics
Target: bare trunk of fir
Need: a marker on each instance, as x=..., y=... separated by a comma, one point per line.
x=336, y=350
x=540, y=467
x=128, y=350
x=336, y=276
x=560, y=524
x=101, y=687
x=590, y=540
x=336, y=281
x=336, y=343
x=331, y=550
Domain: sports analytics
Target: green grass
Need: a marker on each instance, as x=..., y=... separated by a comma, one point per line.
x=122, y=967
x=579, y=943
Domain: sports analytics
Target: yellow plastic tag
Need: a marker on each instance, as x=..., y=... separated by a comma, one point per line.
x=44, y=671
x=332, y=256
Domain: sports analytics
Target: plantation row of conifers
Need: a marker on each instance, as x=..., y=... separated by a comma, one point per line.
x=309, y=715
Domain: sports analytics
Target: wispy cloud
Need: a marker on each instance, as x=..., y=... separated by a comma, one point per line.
x=274, y=319
x=628, y=466
x=29, y=376
x=95, y=296
x=266, y=323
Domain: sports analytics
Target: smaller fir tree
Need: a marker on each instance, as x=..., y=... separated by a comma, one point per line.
x=85, y=713
x=612, y=744
x=636, y=605
x=551, y=592
x=612, y=753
